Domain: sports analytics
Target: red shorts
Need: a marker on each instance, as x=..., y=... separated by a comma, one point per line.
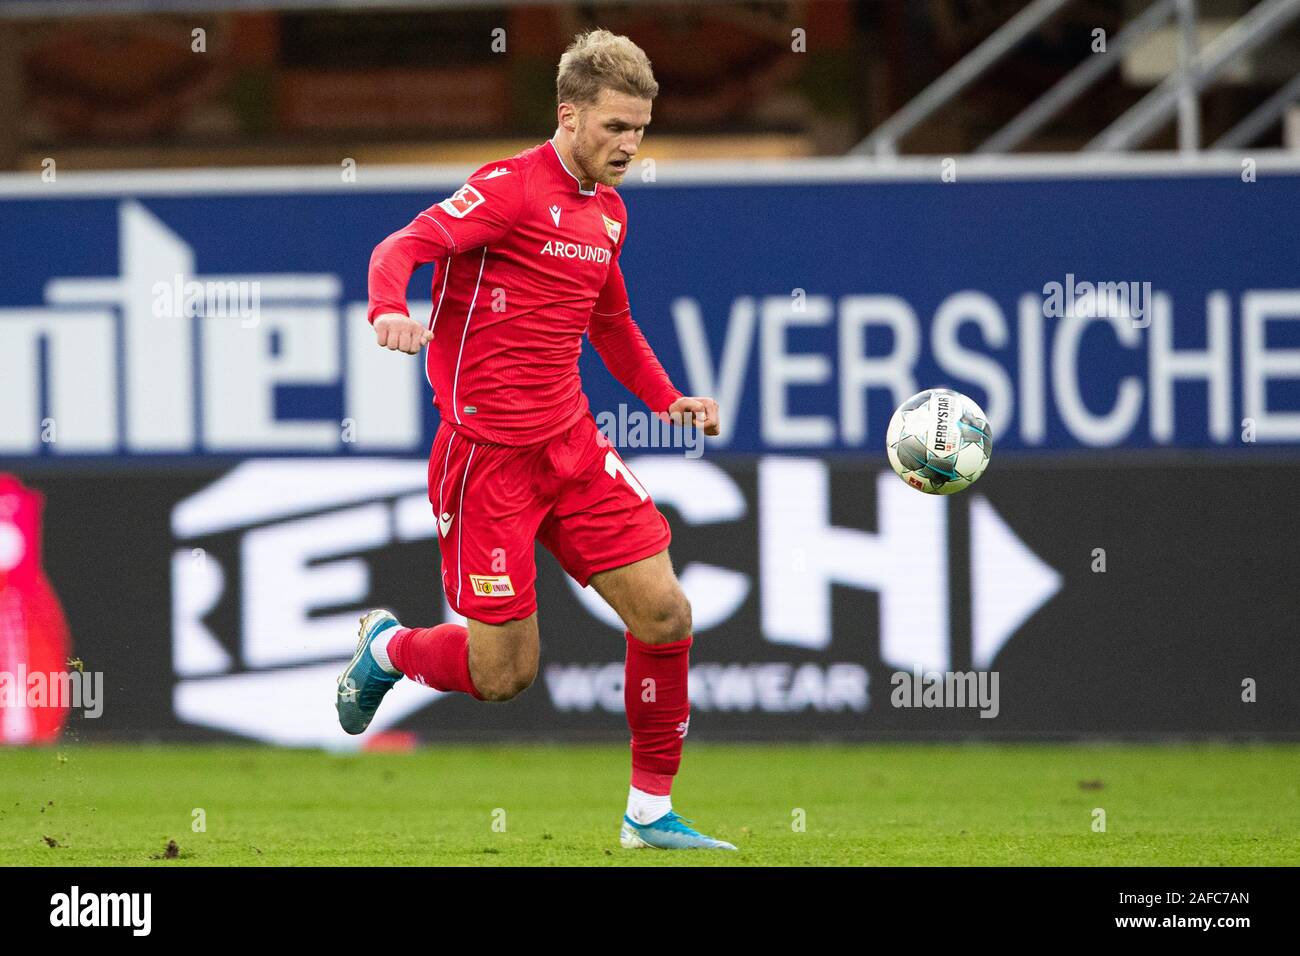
x=571, y=492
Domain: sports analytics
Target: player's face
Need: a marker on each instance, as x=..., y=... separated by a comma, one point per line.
x=608, y=136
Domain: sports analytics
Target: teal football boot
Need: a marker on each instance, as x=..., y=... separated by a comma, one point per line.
x=669, y=832
x=364, y=683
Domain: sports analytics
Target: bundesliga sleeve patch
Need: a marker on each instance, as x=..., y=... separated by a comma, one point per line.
x=460, y=202
x=489, y=585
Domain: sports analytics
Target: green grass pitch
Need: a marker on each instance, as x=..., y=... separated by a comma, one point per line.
x=871, y=804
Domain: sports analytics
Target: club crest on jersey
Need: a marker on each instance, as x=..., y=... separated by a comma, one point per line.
x=492, y=585
x=460, y=202
x=613, y=227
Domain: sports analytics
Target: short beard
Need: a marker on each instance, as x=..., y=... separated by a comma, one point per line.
x=583, y=160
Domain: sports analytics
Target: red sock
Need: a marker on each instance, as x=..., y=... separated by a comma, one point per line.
x=658, y=710
x=436, y=657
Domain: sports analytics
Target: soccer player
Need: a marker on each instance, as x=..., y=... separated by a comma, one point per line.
x=526, y=261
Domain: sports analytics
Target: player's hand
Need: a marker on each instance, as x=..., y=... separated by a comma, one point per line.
x=401, y=333
x=702, y=412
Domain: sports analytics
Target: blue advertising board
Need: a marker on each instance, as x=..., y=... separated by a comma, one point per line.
x=148, y=317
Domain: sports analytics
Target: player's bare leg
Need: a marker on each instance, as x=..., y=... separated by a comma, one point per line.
x=646, y=595
x=651, y=603
x=503, y=657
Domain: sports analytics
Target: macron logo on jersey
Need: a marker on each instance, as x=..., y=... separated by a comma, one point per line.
x=460, y=202
x=499, y=171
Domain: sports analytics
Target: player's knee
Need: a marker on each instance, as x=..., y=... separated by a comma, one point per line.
x=669, y=619
x=507, y=683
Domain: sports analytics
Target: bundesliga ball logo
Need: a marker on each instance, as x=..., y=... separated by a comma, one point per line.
x=939, y=441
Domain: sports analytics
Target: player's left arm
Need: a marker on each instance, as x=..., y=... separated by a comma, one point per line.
x=628, y=356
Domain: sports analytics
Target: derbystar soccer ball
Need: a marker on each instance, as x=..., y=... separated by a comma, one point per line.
x=939, y=441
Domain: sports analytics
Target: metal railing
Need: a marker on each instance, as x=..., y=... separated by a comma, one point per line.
x=1177, y=95
x=884, y=141
x=1260, y=24
x=1261, y=118
x=1077, y=82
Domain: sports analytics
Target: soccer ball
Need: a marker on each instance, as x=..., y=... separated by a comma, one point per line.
x=939, y=441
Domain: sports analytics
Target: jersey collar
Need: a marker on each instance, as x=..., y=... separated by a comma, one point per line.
x=577, y=182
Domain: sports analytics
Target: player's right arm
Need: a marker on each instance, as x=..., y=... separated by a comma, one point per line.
x=478, y=213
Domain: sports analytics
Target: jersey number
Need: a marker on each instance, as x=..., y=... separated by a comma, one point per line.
x=614, y=467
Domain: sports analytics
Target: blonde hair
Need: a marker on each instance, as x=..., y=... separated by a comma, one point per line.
x=600, y=60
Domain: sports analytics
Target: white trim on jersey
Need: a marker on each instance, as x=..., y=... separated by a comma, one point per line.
x=442, y=508
x=584, y=192
x=442, y=293
x=460, y=527
x=442, y=227
x=433, y=320
x=455, y=403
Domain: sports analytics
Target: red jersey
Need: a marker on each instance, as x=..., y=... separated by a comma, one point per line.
x=526, y=263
